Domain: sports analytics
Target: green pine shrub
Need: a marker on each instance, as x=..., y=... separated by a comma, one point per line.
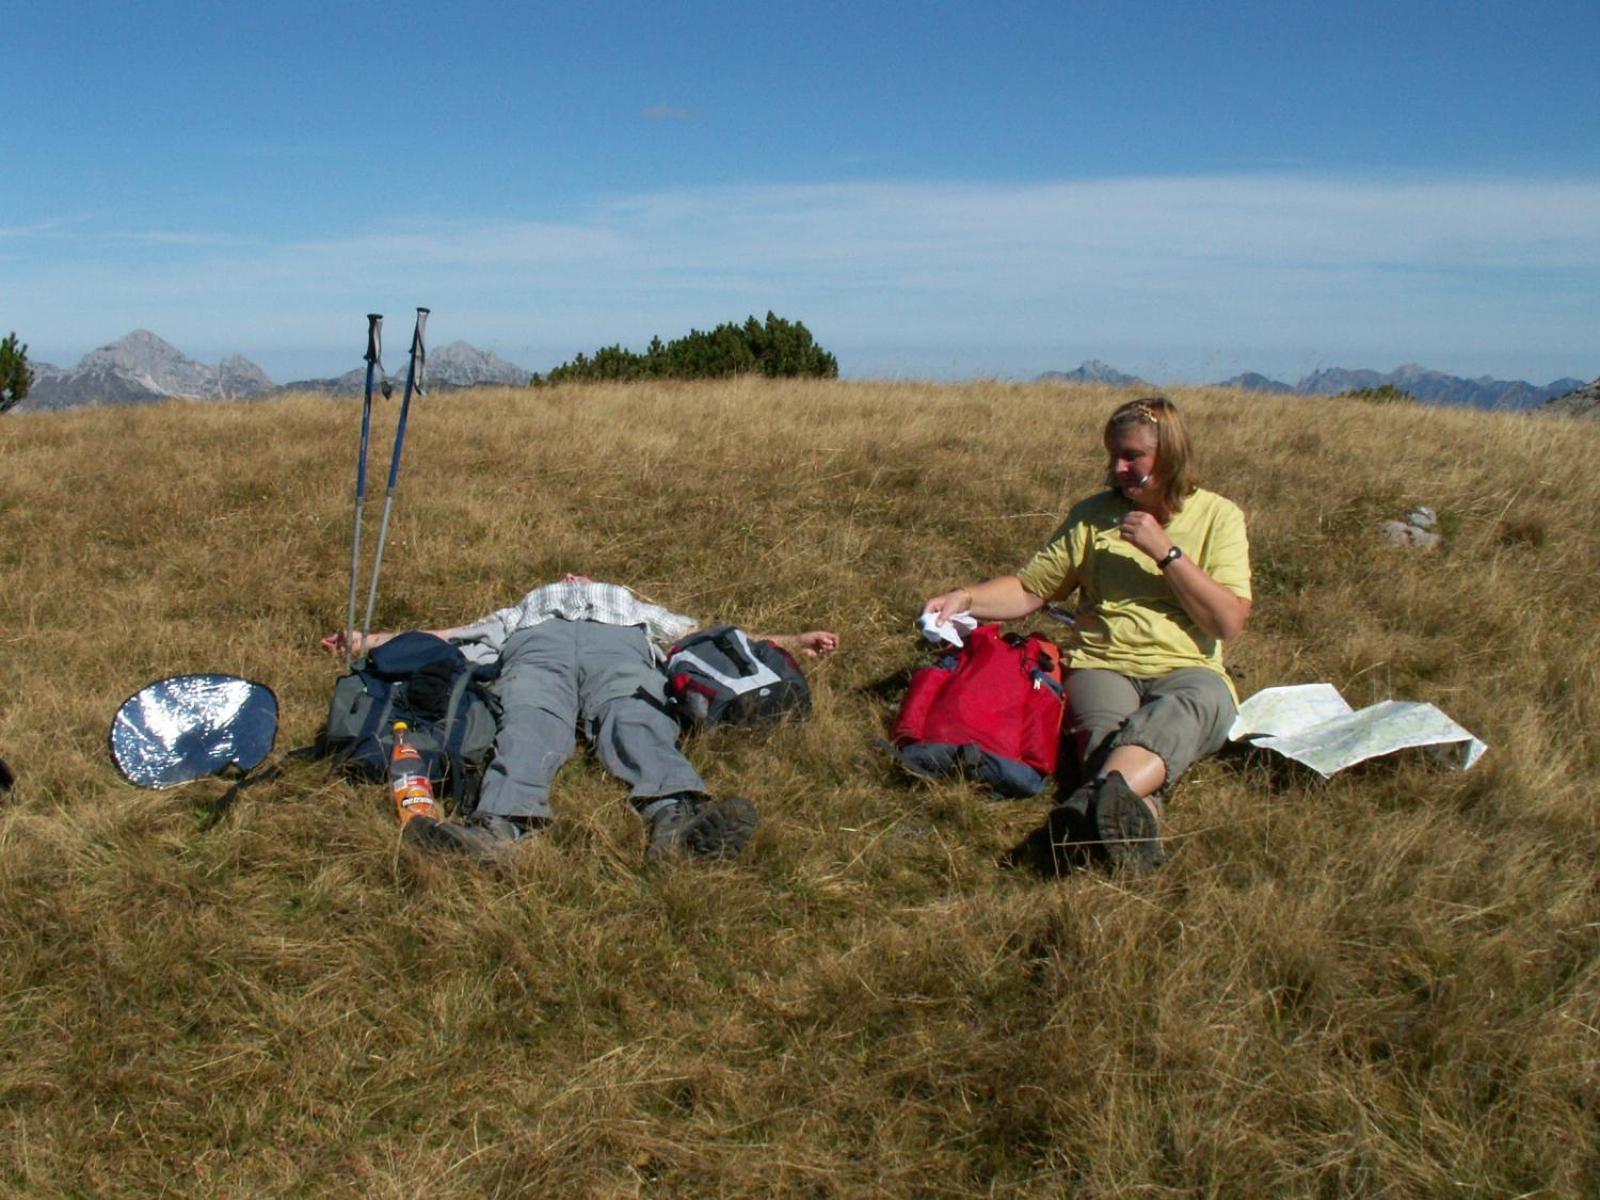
x=16, y=376
x=776, y=349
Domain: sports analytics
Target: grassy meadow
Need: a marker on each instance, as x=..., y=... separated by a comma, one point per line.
x=1386, y=984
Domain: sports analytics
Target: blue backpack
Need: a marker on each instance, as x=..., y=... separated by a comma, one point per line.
x=423, y=680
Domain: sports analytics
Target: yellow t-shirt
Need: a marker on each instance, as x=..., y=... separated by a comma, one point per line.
x=1129, y=620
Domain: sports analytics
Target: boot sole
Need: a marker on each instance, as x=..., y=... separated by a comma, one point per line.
x=721, y=829
x=1129, y=833
x=436, y=837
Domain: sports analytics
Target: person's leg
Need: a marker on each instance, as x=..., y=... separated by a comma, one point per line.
x=1186, y=716
x=623, y=693
x=622, y=699
x=1098, y=702
x=538, y=690
x=1142, y=770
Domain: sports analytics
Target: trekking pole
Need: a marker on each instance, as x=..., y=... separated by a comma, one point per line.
x=374, y=357
x=414, y=374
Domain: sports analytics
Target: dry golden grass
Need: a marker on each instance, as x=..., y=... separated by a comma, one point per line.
x=1382, y=985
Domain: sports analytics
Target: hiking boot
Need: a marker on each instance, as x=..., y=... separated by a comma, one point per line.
x=486, y=837
x=1071, y=820
x=701, y=826
x=1069, y=838
x=1036, y=853
x=1129, y=826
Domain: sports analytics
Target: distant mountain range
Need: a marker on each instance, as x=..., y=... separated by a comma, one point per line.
x=1432, y=387
x=143, y=369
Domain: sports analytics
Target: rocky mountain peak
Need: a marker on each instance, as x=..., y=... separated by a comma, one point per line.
x=1095, y=371
x=237, y=376
x=1580, y=402
x=461, y=365
x=140, y=351
x=457, y=365
x=141, y=368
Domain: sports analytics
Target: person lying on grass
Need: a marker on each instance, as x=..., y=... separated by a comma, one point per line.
x=1162, y=572
x=575, y=649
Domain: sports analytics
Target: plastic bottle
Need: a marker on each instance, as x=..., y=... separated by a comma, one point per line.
x=408, y=779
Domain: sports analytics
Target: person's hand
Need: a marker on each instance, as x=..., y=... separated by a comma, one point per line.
x=571, y=578
x=1146, y=534
x=819, y=643
x=948, y=605
x=337, y=644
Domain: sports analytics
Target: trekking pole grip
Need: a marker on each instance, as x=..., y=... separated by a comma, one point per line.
x=419, y=356
x=374, y=337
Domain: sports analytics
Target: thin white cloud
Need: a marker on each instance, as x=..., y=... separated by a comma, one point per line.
x=156, y=237
x=1350, y=268
x=51, y=228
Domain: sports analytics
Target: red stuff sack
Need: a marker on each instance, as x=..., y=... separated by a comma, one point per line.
x=991, y=710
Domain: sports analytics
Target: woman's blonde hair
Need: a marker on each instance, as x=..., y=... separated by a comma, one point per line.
x=1174, y=465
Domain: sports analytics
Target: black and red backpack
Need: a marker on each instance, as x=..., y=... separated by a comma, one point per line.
x=722, y=677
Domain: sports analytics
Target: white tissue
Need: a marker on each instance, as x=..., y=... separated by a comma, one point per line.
x=951, y=631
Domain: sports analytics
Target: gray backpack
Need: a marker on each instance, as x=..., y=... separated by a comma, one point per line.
x=721, y=677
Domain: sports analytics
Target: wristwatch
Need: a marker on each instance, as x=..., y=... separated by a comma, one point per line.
x=1170, y=557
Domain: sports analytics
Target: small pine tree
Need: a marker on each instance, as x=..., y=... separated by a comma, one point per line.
x=16, y=376
x=776, y=348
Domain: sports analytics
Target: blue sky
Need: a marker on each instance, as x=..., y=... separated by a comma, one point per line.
x=940, y=190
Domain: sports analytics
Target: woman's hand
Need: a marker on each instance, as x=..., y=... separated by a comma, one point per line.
x=948, y=605
x=1146, y=534
x=1000, y=599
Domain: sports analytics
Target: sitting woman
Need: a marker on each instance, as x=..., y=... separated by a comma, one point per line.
x=1162, y=572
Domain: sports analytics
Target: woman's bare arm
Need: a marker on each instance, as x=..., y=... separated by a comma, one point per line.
x=1000, y=599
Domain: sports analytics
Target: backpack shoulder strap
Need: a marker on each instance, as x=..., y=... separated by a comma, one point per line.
x=379, y=718
x=453, y=732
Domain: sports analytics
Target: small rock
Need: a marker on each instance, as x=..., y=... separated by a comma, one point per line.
x=1400, y=533
x=1396, y=532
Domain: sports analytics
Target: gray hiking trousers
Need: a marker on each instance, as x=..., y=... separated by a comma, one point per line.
x=558, y=671
x=1181, y=716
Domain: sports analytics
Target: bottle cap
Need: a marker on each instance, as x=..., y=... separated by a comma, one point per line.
x=400, y=726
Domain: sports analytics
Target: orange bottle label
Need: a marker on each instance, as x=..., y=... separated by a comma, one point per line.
x=413, y=796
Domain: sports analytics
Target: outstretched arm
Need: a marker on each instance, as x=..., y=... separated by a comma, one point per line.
x=338, y=643
x=1000, y=599
x=818, y=643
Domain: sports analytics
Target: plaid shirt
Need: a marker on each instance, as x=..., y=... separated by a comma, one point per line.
x=608, y=603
